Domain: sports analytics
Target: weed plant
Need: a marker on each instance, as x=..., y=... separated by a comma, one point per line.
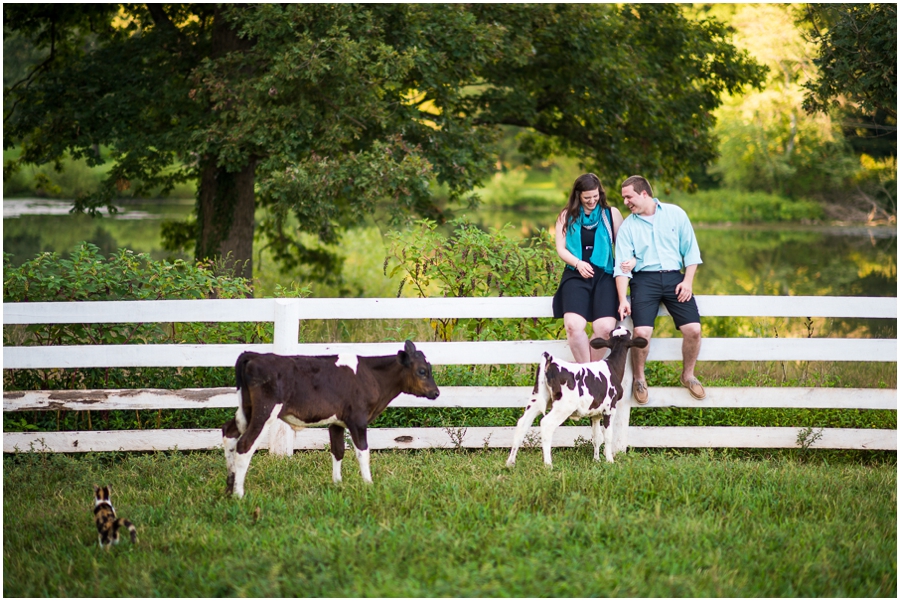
x=451, y=523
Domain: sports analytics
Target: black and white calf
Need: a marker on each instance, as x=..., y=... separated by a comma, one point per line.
x=338, y=391
x=563, y=390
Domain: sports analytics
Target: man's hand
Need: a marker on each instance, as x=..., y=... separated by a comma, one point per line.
x=624, y=309
x=684, y=291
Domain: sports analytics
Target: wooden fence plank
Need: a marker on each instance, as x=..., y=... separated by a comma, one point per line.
x=455, y=396
x=421, y=438
x=446, y=353
x=219, y=310
x=453, y=353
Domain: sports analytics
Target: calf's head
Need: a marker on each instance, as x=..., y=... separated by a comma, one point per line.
x=620, y=338
x=417, y=379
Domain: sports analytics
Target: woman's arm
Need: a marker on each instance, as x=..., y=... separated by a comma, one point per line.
x=617, y=221
x=582, y=267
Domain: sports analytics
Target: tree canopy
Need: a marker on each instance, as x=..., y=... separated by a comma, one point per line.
x=857, y=56
x=325, y=112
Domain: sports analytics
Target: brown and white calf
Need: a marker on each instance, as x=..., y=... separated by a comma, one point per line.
x=338, y=391
x=564, y=390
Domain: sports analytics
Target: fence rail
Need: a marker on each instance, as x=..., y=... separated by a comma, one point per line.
x=286, y=314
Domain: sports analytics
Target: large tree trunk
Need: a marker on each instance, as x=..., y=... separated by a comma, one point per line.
x=226, y=199
x=227, y=202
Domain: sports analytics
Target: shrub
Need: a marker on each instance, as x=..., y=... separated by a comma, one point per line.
x=87, y=276
x=473, y=263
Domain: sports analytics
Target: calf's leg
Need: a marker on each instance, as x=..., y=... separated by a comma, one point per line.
x=596, y=434
x=231, y=431
x=249, y=442
x=361, y=446
x=230, y=435
x=531, y=410
x=336, y=433
x=549, y=424
x=608, y=437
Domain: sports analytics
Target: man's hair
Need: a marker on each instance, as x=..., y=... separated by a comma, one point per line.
x=639, y=184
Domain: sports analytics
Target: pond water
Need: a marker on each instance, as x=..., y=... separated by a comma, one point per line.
x=738, y=259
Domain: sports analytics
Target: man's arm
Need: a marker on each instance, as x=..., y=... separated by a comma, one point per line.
x=622, y=289
x=685, y=290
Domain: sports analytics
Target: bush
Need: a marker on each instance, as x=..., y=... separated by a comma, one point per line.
x=87, y=276
x=473, y=263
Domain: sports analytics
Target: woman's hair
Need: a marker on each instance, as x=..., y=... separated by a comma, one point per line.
x=585, y=182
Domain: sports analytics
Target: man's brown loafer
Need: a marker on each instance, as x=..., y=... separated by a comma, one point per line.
x=639, y=392
x=695, y=388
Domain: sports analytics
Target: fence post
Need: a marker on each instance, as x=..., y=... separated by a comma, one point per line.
x=623, y=407
x=287, y=329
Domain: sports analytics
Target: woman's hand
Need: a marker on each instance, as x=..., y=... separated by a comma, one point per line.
x=585, y=269
x=628, y=265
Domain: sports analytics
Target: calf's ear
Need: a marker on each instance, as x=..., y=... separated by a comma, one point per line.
x=403, y=357
x=639, y=342
x=599, y=343
x=408, y=352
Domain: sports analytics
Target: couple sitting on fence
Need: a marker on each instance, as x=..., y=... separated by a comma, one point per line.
x=605, y=253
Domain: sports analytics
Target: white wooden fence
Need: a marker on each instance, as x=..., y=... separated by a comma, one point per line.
x=286, y=313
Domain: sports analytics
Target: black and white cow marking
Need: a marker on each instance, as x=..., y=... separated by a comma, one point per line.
x=343, y=391
x=564, y=390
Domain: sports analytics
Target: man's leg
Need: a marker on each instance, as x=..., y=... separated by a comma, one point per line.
x=639, y=355
x=639, y=388
x=646, y=292
x=690, y=348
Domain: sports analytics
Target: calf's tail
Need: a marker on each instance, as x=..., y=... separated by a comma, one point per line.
x=539, y=394
x=239, y=368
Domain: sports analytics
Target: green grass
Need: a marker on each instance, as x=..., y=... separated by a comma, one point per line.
x=457, y=523
x=737, y=206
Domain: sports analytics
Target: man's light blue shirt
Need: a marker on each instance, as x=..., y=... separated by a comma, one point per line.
x=665, y=243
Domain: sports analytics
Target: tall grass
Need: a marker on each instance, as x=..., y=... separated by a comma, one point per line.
x=457, y=523
x=739, y=206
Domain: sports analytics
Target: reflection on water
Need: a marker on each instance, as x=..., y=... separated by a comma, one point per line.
x=761, y=260
x=796, y=260
x=32, y=226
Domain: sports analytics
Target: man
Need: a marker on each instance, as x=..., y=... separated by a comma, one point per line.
x=662, y=240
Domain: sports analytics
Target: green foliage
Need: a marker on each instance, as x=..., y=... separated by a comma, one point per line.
x=736, y=206
x=857, y=57
x=767, y=141
x=75, y=178
x=86, y=276
x=445, y=523
x=347, y=108
x=473, y=263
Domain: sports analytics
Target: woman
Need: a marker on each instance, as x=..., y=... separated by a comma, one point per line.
x=585, y=238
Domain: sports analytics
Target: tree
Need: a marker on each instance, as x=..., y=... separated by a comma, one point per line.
x=767, y=141
x=857, y=56
x=325, y=112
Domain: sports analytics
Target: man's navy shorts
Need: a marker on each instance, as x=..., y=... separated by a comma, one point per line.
x=649, y=288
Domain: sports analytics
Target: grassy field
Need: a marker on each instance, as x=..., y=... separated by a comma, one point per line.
x=457, y=523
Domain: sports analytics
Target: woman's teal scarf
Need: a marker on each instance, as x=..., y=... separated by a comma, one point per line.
x=602, y=255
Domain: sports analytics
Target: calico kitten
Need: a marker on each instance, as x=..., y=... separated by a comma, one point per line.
x=105, y=517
